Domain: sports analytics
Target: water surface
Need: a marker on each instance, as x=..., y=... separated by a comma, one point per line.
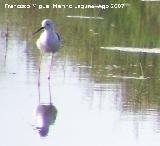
x=99, y=96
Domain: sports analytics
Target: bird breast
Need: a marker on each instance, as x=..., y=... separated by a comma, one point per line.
x=48, y=42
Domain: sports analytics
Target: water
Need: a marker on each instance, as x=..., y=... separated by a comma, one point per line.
x=99, y=96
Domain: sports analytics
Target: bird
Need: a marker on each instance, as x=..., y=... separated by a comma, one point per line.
x=48, y=42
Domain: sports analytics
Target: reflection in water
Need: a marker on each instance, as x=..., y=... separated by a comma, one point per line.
x=45, y=116
x=133, y=49
x=6, y=36
x=84, y=17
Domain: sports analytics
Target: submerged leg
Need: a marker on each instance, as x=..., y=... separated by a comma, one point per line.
x=50, y=67
x=50, y=94
x=39, y=71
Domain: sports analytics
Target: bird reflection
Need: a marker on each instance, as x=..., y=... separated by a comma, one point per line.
x=45, y=114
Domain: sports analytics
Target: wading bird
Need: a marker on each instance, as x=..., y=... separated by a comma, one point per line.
x=49, y=41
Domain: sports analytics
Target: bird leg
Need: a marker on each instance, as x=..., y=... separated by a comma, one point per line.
x=39, y=71
x=50, y=67
x=49, y=88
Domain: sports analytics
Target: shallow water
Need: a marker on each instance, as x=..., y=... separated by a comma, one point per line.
x=99, y=96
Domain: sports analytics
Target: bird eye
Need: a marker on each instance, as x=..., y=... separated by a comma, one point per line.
x=47, y=24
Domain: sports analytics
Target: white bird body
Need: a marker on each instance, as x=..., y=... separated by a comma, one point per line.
x=49, y=40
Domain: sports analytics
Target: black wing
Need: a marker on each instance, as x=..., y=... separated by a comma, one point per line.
x=59, y=37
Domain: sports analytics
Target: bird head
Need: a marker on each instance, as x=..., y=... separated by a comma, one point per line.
x=47, y=24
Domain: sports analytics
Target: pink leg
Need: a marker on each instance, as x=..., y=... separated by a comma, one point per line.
x=39, y=84
x=39, y=71
x=50, y=67
x=49, y=88
x=49, y=85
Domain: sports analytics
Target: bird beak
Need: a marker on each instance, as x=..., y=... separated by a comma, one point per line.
x=38, y=30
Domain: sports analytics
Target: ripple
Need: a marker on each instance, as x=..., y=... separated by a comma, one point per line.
x=84, y=17
x=133, y=50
